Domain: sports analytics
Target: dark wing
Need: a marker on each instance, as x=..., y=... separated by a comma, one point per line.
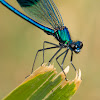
x=44, y=12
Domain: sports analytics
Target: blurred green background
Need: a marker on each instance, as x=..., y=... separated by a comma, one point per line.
x=19, y=41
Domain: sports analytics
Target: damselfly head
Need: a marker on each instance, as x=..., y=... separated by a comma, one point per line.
x=76, y=46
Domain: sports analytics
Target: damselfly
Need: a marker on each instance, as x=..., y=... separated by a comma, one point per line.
x=45, y=15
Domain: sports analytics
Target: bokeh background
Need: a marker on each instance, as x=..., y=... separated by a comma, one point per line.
x=19, y=41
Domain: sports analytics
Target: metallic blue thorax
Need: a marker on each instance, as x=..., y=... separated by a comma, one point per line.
x=62, y=35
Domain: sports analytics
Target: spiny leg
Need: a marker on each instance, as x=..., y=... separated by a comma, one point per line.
x=54, y=55
x=64, y=57
x=36, y=57
x=61, y=66
x=37, y=54
x=48, y=43
x=71, y=61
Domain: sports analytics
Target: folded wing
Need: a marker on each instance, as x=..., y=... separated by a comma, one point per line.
x=44, y=12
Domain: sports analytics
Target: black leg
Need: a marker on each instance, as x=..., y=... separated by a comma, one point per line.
x=64, y=57
x=61, y=66
x=71, y=61
x=37, y=54
x=48, y=43
x=54, y=55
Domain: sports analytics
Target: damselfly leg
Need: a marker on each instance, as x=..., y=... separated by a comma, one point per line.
x=55, y=46
x=71, y=61
x=37, y=55
x=54, y=55
x=61, y=66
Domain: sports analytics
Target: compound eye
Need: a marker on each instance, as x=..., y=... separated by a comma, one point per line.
x=79, y=44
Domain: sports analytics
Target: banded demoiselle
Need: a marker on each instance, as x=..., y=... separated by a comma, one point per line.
x=45, y=15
